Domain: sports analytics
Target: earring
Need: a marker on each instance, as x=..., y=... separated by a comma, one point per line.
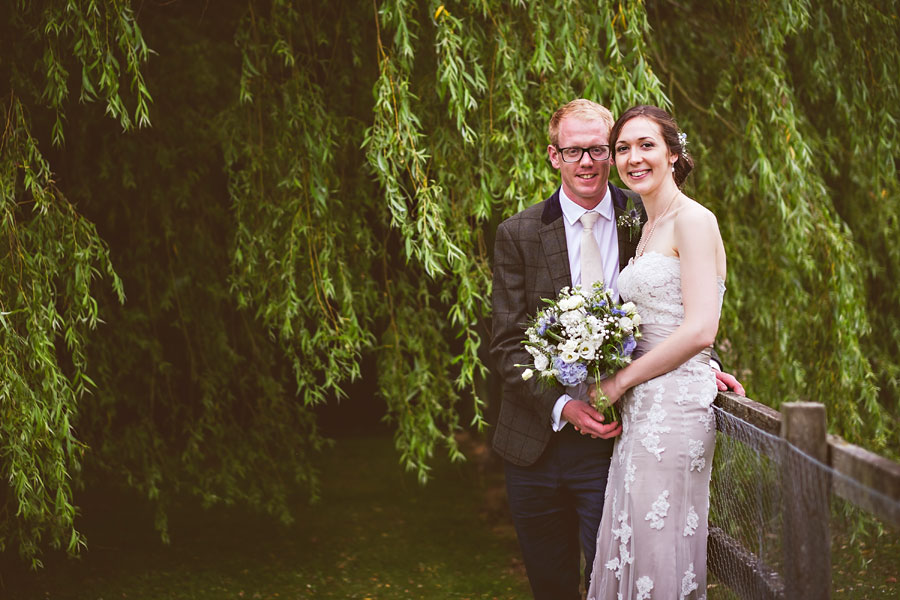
x=673, y=168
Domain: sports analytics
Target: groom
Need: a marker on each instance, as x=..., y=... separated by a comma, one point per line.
x=556, y=447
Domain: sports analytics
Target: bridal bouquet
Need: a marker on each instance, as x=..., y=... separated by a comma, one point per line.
x=582, y=337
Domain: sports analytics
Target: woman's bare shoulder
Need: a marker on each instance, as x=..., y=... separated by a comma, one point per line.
x=693, y=214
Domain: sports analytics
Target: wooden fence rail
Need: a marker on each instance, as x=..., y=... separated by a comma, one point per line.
x=805, y=500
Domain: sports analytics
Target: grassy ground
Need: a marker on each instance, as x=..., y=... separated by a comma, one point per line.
x=375, y=534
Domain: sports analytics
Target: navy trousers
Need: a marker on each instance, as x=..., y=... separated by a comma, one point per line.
x=556, y=505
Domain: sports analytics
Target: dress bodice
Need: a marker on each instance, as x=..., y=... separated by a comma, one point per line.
x=653, y=283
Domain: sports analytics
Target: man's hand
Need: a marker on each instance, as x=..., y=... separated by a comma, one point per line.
x=726, y=381
x=588, y=421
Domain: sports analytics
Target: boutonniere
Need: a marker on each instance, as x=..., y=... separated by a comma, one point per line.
x=630, y=220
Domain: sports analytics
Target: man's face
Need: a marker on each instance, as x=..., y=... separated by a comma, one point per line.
x=584, y=181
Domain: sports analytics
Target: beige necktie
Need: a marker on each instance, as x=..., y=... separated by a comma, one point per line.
x=591, y=260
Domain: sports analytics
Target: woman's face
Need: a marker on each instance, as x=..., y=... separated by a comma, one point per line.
x=642, y=156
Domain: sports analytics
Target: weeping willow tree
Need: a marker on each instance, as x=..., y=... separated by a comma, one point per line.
x=215, y=216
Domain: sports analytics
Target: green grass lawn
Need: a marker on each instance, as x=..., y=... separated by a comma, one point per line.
x=375, y=534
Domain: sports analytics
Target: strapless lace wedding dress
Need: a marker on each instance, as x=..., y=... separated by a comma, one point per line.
x=652, y=539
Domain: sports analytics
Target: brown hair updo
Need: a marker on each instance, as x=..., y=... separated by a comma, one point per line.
x=669, y=129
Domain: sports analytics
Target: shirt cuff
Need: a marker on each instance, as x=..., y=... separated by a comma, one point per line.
x=556, y=420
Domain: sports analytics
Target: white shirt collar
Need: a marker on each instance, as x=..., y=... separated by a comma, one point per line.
x=573, y=212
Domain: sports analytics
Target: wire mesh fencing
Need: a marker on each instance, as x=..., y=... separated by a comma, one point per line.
x=780, y=526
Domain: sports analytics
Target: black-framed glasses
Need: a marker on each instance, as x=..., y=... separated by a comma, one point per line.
x=575, y=154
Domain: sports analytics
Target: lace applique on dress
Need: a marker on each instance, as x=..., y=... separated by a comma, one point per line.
x=688, y=584
x=629, y=477
x=651, y=429
x=644, y=586
x=692, y=521
x=658, y=511
x=707, y=418
x=623, y=535
x=696, y=451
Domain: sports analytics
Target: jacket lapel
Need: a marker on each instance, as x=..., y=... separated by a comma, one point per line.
x=627, y=237
x=553, y=241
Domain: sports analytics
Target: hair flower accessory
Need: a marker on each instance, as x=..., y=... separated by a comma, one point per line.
x=682, y=140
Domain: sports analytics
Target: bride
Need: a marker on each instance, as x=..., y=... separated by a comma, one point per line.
x=652, y=538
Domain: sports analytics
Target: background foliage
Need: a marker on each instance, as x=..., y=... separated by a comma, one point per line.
x=217, y=217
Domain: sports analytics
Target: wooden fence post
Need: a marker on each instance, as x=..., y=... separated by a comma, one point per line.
x=807, y=491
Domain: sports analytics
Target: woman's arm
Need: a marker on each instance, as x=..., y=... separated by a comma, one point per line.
x=697, y=242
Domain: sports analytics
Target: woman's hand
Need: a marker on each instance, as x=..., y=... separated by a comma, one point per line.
x=611, y=388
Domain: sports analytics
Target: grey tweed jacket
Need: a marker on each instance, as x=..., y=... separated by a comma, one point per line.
x=531, y=262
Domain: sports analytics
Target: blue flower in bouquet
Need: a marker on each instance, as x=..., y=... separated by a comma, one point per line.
x=544, y=323
x=569, y=374
x=628, y=345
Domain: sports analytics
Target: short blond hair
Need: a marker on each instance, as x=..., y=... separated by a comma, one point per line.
x=579, y=109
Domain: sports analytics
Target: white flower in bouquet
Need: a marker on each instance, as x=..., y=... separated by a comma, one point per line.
x=568, y=344
x=571, y=318
x=572, y=302
x=569, y=356
x=587, y=350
